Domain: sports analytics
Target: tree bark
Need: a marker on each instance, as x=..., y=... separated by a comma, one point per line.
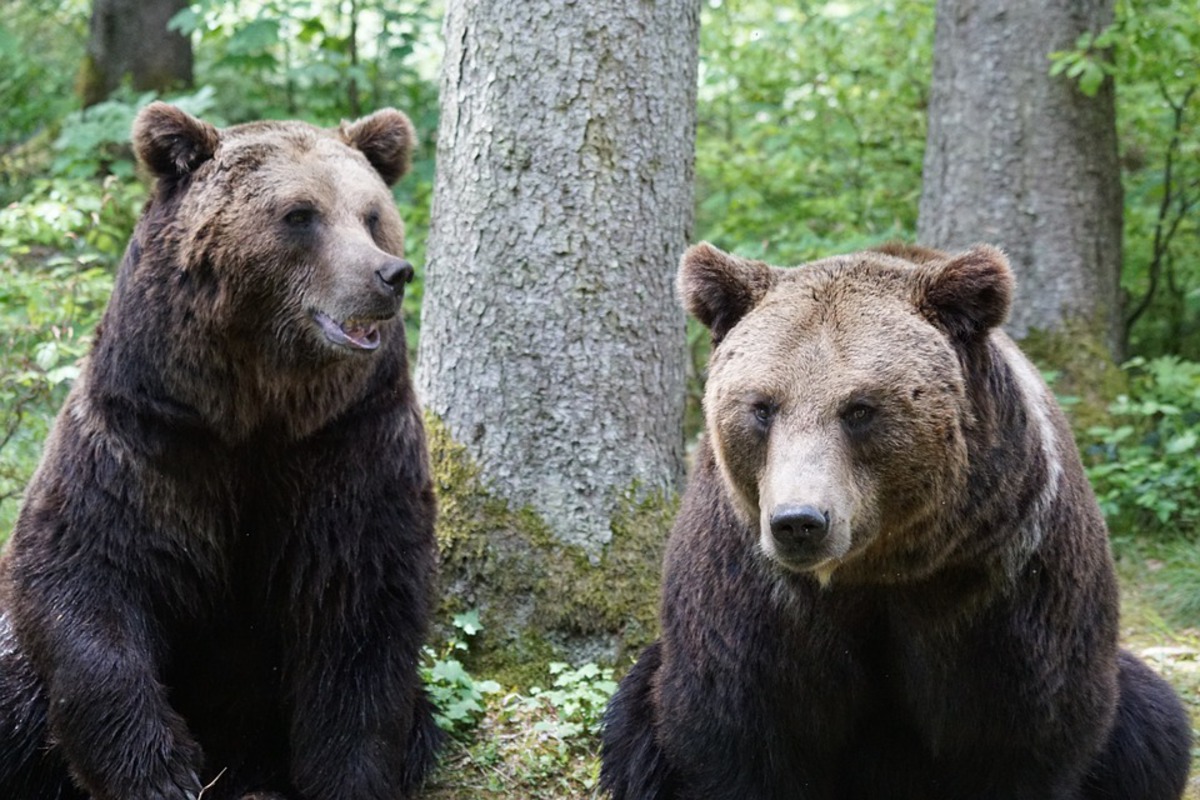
x=1025, y=160
x=129, y=38
x=552, y=344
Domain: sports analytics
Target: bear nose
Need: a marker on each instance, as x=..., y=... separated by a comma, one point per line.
x=395, y=273
x=799, y=524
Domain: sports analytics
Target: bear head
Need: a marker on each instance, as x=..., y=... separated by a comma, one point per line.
x=836, y=403
x=287, y=233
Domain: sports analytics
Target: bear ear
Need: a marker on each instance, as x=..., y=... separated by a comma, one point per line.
x=968, y=294
x=719, y=289
x=172, y=142
x=386, y=138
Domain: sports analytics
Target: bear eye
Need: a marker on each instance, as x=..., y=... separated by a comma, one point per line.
x=372, y=222
x=300, y=217
x=764, y=413
x=858, y=415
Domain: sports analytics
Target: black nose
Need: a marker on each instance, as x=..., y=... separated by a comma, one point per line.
x=395, y=273
x=799, y=524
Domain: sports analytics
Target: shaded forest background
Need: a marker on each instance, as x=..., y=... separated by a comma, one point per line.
x=811, y=130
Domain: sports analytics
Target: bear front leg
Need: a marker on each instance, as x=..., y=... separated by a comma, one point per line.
x=29, y=769
x=361, y=726
x=633, y=765
x=109, y=713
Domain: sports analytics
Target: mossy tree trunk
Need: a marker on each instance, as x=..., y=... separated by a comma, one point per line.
x=551, y=354
x=130, y=39
x=1025, y=160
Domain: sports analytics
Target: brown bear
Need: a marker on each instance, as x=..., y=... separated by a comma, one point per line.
x=220, y=579
x=889, y=577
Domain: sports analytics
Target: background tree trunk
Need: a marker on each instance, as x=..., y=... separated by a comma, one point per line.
x=552, y=344
x=130, y=38
x=1025, y=160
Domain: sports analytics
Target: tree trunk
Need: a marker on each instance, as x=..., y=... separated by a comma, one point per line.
x=130, y=38
x=552, y=344
x=1027, y=161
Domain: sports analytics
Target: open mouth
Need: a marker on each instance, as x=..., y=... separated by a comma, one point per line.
x=356, y=334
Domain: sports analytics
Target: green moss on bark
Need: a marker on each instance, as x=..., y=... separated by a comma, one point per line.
x=540, y=599
x=1086, y=375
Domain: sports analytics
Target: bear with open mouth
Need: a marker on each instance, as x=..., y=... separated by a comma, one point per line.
x=220, y=580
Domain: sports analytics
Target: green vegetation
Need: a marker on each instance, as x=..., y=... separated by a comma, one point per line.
x=811, y=125
x=810, y=139
x=1153, y=51
x=541, y=743
x=1143, y=463
x=457, y=696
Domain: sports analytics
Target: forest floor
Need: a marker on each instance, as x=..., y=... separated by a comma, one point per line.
x=521, y=750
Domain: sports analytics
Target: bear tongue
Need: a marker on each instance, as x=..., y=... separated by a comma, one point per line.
x=361, y=334
x=356, y=335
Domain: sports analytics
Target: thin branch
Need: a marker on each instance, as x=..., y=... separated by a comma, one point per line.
x=1162, y=238
x=211, y=783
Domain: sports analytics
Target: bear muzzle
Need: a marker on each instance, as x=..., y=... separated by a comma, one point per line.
x=371, y=305
x=355, y=334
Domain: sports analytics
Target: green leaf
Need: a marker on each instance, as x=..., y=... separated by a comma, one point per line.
x=450, y=671
x=185, y=22
x=1186, y=443
x=64, y=374
x=46, y=355
x=1091, y=79
x=468, y=622
x=254, y=37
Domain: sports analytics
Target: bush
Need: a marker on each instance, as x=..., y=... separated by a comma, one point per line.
x=58, y=249
x=1144, y=465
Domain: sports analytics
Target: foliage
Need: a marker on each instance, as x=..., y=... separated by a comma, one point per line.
x=57, y=251
x=1089, y=62
x=1152, y=49
x=41, y=42
x=562, y=723
x=811, y=124
x=577, y=699
x=46, y=319
x=1143, y=464
x=457, y=697
x=810, y=133
x=541, y=744
x=320, y=60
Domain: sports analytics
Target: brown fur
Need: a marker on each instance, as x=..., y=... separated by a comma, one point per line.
x=233, y=263
x=889, y=577
x=221, y=575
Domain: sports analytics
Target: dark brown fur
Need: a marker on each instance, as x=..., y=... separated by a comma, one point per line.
x=889, y=577
x=221, y=574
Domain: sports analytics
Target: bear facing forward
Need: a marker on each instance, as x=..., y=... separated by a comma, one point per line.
x=889, y=578
x=220, y=579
